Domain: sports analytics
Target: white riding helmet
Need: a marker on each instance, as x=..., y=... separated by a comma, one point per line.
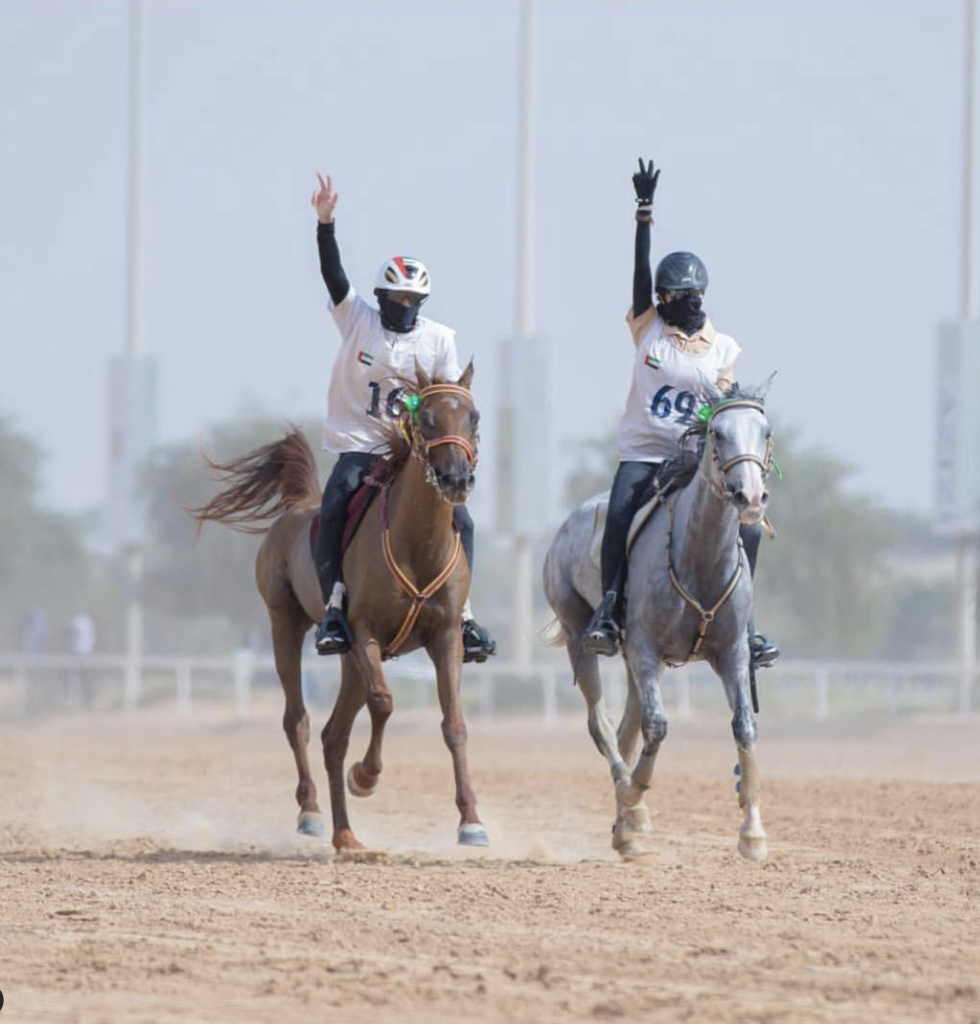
x=403, y=274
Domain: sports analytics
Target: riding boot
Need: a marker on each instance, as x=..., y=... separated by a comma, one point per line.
x=603, y=633
x=764, y=652
x=478, y=644
x=333, y=635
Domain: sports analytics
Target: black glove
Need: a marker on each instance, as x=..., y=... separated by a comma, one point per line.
x=645, y=183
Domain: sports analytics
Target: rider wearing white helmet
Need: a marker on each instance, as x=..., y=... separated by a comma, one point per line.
x=379, y=347
x=676, y=346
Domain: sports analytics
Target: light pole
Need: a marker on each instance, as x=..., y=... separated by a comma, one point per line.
x=524, y=410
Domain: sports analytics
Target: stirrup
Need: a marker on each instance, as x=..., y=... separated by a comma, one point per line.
x=478, y=644
x=765, y=652
x=602, y=633
x=333, y=635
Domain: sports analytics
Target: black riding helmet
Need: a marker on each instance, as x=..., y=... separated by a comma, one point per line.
x=679, y=272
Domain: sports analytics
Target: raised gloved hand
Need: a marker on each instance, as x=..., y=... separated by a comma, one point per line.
x=645, y=184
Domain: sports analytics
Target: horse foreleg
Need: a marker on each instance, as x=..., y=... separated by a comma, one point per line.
x=631, y=834
x=628, y=733
x=289, y=625
x=734, y=672
x=601, y=728
x=446, y=653
x=336, y=738
x=362, y=779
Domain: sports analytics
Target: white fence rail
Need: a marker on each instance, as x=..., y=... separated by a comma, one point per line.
x=45, y=684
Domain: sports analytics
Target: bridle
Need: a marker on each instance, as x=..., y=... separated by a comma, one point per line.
x=420, y=449
x=421, y=446
x=766, y=464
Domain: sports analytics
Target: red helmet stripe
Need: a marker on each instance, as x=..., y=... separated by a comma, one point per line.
x=400, y=263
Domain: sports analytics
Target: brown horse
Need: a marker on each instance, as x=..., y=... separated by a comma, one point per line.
x=405, y=548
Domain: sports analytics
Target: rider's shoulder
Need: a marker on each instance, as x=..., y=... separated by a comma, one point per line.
x=437, y=332
x=640, y=325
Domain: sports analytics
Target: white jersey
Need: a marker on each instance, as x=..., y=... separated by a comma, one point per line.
x=370, y=368
x=666, y=390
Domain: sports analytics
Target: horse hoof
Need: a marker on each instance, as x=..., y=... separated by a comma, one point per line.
x=473, y=834
x=635, y=848
x=310, y=823
x=631, y=826
x=354, y=787
x=753, y=847
x=344, y=842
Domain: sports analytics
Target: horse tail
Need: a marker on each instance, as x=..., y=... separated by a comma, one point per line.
x=553, y=634
x=261, y=484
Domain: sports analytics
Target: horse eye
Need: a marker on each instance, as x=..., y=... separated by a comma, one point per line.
x=428, y=419
x=474, y=420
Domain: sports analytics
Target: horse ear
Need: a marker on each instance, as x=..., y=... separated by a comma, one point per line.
x=464, y=381
x=709, y=390
x=422, y=377
x=764, y=389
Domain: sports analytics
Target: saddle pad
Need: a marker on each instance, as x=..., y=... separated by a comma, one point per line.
x=357, y=506
x=600, y=507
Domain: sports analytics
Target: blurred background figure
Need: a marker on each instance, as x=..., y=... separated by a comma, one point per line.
x=34, y=631
x=81, y=644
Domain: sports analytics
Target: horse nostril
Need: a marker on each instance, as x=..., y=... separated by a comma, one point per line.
x=765, y=497
x=740, y=499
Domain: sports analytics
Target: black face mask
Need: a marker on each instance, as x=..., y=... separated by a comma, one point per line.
x=684, y=312
x=396, y=317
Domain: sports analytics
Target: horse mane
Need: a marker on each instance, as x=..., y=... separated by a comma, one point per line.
x=678, y=471
x=699, y=429
x=262, y=484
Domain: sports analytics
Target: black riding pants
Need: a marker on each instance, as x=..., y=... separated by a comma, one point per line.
x=629, y=486
x=348, y=474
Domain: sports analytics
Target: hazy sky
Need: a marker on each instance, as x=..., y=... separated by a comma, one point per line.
x=810, y=152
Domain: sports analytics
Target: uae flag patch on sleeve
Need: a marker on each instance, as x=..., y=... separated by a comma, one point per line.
x=653, y=361
x=365, y=357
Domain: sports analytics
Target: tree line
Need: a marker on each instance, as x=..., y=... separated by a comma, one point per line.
x=827, y=587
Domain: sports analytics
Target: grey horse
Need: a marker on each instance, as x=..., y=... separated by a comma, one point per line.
x=688, y=597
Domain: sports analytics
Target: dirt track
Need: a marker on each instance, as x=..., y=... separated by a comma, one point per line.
x=148, y=872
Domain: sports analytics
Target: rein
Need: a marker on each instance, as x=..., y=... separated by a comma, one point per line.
x=421, y=448
x=419, y=597
x=707, y=614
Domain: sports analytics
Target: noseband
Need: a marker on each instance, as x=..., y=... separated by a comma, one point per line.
x=422, y=446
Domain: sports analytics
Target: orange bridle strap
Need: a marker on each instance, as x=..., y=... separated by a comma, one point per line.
x=448, y=389
x=419, y=597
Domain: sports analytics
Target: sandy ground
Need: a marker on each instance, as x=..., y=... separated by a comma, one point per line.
x=149, y=872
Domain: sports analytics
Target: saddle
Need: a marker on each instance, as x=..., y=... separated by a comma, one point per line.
x=379, y=476
x=674, y=474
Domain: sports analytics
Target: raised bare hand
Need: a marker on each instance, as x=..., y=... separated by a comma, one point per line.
x=324, y=199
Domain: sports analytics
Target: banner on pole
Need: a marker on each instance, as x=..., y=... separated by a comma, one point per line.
x=957, y=440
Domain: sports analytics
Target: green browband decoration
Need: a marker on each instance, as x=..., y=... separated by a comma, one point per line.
x=779, y=472
x=704, y=413
x=412, y=403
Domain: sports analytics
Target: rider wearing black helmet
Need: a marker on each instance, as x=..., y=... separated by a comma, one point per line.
x=677, y=345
